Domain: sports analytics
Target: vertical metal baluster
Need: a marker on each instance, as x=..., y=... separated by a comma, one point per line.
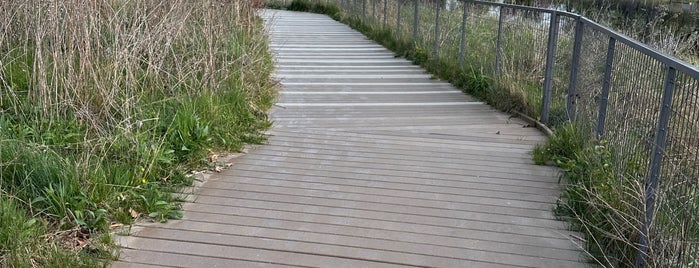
x=606, y=84
x=498, y=43
x=550, y=61
x=656, y=162
x=575, y=63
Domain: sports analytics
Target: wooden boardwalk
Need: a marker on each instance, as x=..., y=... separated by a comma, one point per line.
x=370, y=164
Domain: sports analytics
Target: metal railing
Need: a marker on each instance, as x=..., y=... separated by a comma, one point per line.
x=559, y=67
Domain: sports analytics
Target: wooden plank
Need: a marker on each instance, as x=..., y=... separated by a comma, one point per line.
x=395, y=182
x=147, y=258
x=494, y=215
x=211, y=252
x=370, y=163
x=399, y=155
x=462, y=180
x=360, y=237
x=226, y=214
x=437, y=142
x=307, y=201
x=343, y=247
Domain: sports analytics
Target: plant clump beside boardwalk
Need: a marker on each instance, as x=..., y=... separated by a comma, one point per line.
x=104, y=107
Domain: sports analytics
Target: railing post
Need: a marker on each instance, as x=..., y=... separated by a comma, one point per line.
x=606, y=84
x=575, y=63
x=550, y=61
x=416, y=4
x=398, y=22
x=498, y=44
x=435, y=49
x=462, y=47
x=656, y=163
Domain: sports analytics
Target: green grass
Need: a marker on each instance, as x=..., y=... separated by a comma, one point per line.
x=600, y=200
x=103, y=133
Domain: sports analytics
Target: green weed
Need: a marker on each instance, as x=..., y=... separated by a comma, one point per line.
x=562, y=146
x=300, y=5
x=600, y=200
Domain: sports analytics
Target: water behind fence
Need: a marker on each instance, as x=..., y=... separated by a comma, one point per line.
x=558, y=67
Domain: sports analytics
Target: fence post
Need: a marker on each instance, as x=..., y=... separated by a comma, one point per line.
x=398, y=22
x=550, y=61
x=498, y=44
x=575, y=63
x=462, y=47
x=656, y=163
x=606, y=84
x=435, y=49
x=416, y=4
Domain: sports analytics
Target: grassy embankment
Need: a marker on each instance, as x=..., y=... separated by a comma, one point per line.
x=104, y=108
x=604, y=178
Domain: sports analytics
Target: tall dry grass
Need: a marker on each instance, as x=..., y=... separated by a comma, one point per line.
x=105, y=105
x=98, y=59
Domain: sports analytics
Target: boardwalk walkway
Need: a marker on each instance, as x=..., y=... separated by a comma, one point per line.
x=370, y=164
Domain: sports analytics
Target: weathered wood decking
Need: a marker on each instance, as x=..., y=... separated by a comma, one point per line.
x=370, y=164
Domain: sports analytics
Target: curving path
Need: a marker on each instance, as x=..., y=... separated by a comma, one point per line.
x=371, y=163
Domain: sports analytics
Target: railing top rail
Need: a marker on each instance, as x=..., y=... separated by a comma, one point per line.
x=658, y=55
x=540, y=9
x=662, y=57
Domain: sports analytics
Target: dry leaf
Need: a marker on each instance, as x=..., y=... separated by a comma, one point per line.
x=115, y=225
x=133, y=213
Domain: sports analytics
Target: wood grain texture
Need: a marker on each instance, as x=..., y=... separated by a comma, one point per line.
x=370, y=163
